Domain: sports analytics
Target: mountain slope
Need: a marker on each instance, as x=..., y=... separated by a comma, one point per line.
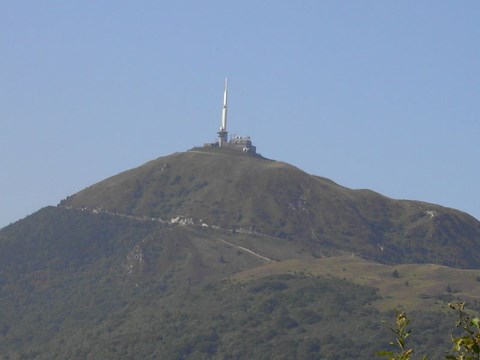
x=231, y=190
x=78, y=284
x=61, y=269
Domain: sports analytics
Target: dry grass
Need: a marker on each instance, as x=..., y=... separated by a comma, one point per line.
x=418, y=286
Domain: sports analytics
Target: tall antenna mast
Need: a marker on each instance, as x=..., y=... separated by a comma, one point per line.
x=223, y=133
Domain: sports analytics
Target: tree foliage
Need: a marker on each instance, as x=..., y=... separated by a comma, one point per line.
x=467, y=346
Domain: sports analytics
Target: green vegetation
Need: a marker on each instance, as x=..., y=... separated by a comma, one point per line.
x=237, y=191
x=402, y=332
x=269, y=317
x=466, y=345
x=115, y=287
x=420, y=286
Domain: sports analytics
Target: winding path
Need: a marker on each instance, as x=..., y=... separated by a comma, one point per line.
x=247, y=250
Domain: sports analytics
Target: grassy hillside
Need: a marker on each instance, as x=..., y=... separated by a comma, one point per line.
x=232, y=190
x=413, y=286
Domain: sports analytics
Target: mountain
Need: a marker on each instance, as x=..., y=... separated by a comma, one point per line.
x=217, y=254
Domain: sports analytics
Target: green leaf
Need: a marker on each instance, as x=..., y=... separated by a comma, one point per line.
x=408, y=352
x=384, y=353
x=476, y=322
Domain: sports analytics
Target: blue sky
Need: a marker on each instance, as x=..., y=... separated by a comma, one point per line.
x=380, y=94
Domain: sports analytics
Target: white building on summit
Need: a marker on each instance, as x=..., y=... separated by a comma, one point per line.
x=241, y=143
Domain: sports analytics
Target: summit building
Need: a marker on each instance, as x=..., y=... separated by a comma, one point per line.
x=241, y=143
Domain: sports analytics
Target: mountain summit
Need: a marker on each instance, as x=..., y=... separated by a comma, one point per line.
x=228, y=189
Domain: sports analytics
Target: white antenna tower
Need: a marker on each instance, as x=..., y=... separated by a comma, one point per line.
x=223, y=133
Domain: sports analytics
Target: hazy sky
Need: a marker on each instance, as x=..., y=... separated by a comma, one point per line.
x=380, y=94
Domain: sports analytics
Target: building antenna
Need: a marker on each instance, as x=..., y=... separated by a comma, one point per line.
x=223, y=133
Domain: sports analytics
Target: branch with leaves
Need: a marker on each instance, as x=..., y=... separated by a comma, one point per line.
x=402, y=332
x=466, y=347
